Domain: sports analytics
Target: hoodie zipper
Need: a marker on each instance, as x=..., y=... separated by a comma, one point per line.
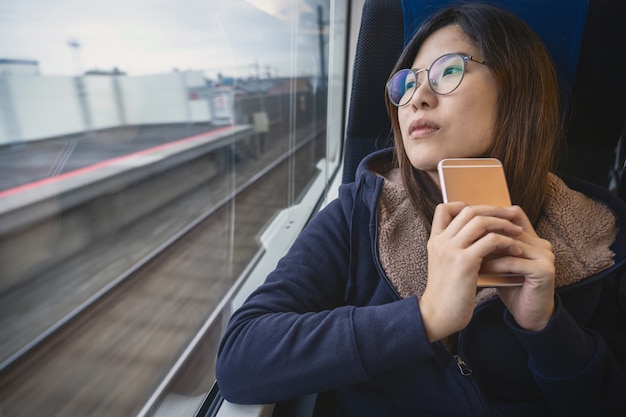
x=463, y=368
x=478, y=402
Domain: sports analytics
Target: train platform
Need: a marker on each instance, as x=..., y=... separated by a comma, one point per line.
x=71, y=171
x=28, y=162
x=100, y=184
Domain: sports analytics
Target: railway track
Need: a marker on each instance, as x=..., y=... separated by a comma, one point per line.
x=108, y=357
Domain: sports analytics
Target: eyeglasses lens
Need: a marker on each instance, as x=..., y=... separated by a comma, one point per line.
x=446, y=73
x=401, y=87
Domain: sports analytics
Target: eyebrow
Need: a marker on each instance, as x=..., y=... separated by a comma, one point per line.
x=447, y=53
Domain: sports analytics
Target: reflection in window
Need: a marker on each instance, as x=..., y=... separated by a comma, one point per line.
x=144, y=149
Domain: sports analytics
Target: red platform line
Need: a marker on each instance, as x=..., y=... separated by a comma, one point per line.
x=91, y=168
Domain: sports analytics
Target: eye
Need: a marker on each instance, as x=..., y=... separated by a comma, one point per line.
x=409, y=84
x=452, y=70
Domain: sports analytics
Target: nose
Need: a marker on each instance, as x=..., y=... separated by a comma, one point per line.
x=423, y=96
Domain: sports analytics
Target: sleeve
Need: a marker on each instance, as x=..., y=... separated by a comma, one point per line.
x=580, y=368
x=294, y=335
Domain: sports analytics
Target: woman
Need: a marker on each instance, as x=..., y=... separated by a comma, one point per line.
x=377, y=300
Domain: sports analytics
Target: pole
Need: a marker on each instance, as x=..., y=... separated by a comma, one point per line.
x=320, y=22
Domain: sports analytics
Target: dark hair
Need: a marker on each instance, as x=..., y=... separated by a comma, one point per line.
x=529, y=124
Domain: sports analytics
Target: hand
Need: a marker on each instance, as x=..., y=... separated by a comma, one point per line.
x=532, y=304
x=461, y=238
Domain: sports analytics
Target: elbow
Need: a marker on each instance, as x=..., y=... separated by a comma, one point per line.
x=230, y=384
x=235, y=382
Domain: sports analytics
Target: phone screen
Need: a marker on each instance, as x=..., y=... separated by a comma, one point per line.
x=477, y=181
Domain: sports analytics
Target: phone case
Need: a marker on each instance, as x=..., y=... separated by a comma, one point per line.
x=477, y=181
x=474, y=181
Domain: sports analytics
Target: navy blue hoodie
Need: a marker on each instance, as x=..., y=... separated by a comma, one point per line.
x=329, y=319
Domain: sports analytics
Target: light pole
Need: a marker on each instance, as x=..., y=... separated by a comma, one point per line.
x=79, y=82
x=321, y=24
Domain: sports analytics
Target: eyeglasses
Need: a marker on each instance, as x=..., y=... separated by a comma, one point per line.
x=444, y=76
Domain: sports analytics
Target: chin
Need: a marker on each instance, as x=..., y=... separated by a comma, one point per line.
x=425, y=167
x=424, y=162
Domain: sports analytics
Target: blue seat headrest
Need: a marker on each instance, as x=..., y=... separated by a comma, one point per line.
x=559, y=23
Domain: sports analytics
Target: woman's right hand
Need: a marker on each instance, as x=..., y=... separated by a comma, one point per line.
x=461, y=237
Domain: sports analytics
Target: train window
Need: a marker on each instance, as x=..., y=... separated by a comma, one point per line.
x=151, y=155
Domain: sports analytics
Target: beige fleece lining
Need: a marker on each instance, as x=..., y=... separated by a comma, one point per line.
x=579, y=228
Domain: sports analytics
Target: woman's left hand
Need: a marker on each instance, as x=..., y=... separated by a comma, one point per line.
x=532, y=303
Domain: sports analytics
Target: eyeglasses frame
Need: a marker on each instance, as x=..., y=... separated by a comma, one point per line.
x=465, y=58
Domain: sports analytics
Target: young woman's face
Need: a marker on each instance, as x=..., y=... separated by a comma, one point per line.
x=456, y=125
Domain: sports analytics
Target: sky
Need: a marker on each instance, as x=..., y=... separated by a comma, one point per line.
x=232, y=37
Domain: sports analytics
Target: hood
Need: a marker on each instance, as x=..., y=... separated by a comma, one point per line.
x=375, y=164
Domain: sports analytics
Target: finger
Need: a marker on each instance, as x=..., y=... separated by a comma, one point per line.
x=533, y=245
x=532, y=261
x=492, y=218
x=495, y=243
x=520, y=218
x=444, y=214
x=482, y=226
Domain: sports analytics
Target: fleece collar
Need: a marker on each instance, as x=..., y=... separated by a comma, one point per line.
x=580, y=229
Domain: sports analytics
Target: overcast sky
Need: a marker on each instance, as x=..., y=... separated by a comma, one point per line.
x=156, y=36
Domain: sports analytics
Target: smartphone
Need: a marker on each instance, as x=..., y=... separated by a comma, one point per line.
x=477, y=181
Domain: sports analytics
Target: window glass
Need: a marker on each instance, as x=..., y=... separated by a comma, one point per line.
x=146, y=147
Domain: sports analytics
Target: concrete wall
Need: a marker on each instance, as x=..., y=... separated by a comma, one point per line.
x=36, y=107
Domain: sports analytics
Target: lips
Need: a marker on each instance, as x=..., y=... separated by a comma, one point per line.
x=421, y=128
